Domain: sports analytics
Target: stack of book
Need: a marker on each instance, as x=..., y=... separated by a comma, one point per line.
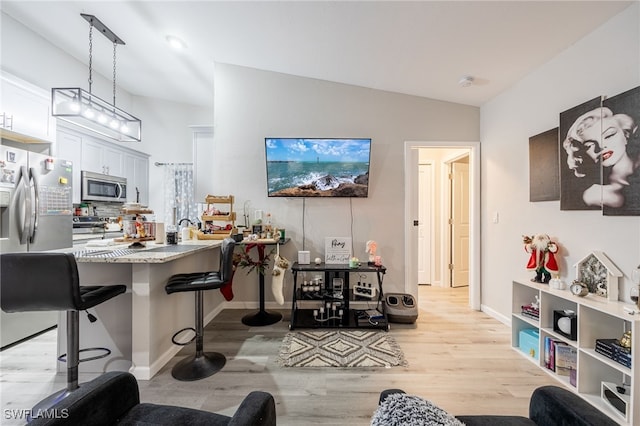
x=611, y=349
x=532, y=312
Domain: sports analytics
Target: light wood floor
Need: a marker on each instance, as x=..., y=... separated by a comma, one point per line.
x=458, y=358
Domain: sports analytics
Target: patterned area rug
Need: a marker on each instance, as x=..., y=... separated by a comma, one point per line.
x=340, y=348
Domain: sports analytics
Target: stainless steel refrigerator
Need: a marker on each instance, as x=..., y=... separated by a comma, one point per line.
x=35, y=215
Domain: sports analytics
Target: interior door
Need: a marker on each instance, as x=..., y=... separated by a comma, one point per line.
x=425, y=179
x=460, y=223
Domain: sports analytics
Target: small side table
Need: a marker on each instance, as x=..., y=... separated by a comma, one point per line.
x=262, y=317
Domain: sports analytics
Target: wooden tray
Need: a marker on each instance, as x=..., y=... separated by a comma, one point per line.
x=136, y=211
x=133, y=240
x=218, y=236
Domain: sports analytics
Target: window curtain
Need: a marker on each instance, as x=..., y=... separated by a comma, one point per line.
x=179, y=190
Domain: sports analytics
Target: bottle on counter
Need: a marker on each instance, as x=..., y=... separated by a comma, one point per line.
x=172, y=234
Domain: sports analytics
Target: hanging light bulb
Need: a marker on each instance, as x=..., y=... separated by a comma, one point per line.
x=114, y=123
x=89, y=113
x=75, y=106
x=86, y=110
x=102, y=118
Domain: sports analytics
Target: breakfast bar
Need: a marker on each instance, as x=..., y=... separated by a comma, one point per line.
x=137, y=326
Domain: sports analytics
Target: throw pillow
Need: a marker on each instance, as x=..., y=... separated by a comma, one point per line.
x=400, y=409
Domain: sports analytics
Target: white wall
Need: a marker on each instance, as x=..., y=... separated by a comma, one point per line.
x=251, y=105
x=605, y=62
x=166, y=136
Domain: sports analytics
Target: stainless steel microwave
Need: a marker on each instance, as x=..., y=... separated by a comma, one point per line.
x=98, y=187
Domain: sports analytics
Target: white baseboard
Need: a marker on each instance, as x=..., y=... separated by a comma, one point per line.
x=162, y=360
x=496, y=315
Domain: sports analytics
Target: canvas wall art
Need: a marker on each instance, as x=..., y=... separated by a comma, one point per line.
x=580, y=172
x=621, y=154
x=544, y=170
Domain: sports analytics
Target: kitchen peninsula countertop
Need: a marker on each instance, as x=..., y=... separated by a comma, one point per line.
x=137, y=325
x=152, y=253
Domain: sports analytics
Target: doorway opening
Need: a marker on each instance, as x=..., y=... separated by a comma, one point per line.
x=442, y=216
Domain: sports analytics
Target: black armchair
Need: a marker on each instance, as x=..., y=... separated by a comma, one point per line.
x=113, y=398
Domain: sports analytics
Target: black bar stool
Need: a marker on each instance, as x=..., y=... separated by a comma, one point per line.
x=202, y=364
x=49, y=282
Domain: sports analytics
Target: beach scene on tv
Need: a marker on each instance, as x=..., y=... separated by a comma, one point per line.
x=317, y=167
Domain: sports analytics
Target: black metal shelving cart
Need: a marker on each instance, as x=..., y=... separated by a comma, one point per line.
x=326, y=299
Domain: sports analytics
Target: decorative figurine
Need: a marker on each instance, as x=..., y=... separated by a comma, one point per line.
x=542, y=259
x=625, y=340
x=372, y=247
x=140, y=231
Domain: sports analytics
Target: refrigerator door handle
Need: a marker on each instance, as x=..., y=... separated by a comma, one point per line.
x=36, y=205
x=23, y=209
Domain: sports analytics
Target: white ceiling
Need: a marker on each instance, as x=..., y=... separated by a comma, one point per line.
x=420, y=48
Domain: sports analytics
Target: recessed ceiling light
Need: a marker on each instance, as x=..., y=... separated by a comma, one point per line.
x=466, y=81
x=176, y=42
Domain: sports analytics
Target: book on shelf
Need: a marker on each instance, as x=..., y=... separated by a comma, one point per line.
x=530, y=309
x=550, y=348
x=611, y=348
x=566, y=359
x=547, y=352
x=530, y=315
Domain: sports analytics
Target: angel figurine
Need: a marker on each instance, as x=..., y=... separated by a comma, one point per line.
x=372, y=247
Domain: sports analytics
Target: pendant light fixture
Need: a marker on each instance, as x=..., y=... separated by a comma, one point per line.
x=84, y=109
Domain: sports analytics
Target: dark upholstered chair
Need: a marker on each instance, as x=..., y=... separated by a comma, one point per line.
x=49, y=282
x=202, y=364
x=549, y=406
x=113, y=398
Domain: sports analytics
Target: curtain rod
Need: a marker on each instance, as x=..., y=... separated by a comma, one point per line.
x=172, y=164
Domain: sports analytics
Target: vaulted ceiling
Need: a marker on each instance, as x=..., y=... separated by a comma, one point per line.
x=420, y=48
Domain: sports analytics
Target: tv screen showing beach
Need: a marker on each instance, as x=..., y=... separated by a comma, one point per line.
x=317, y=167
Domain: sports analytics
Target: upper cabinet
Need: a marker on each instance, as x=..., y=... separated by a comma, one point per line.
x=102, y=157
x=94, y=155
x=136, y=167
x=25, y=111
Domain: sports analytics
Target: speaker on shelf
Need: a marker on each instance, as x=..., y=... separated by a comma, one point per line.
x=401, y=308
x=566, y=323
x=619, y=401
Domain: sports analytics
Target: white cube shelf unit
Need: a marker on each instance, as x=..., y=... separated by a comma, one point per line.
x=597, y=318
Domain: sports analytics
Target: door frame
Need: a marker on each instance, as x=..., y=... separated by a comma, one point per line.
x=430, y=251
x=411, y=212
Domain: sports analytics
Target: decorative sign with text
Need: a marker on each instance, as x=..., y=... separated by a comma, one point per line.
x=337, y=250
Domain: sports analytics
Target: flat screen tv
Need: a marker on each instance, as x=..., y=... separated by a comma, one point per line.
x=314, y=167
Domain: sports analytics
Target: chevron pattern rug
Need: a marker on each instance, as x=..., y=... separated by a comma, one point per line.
x=340, y=348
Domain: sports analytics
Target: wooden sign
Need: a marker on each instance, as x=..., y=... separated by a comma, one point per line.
x=337, y=250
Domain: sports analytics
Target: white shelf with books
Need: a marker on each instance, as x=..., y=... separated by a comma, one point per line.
x=591, y=342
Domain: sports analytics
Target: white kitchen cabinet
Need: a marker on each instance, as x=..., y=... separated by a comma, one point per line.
x=69, y=147
x=102, y=157
x=136, y=167
x=597, y=318
x=95, y=155
x=25, y=111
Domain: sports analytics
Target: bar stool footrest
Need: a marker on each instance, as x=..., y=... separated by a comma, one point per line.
x=107, y=352
x=173, y=338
